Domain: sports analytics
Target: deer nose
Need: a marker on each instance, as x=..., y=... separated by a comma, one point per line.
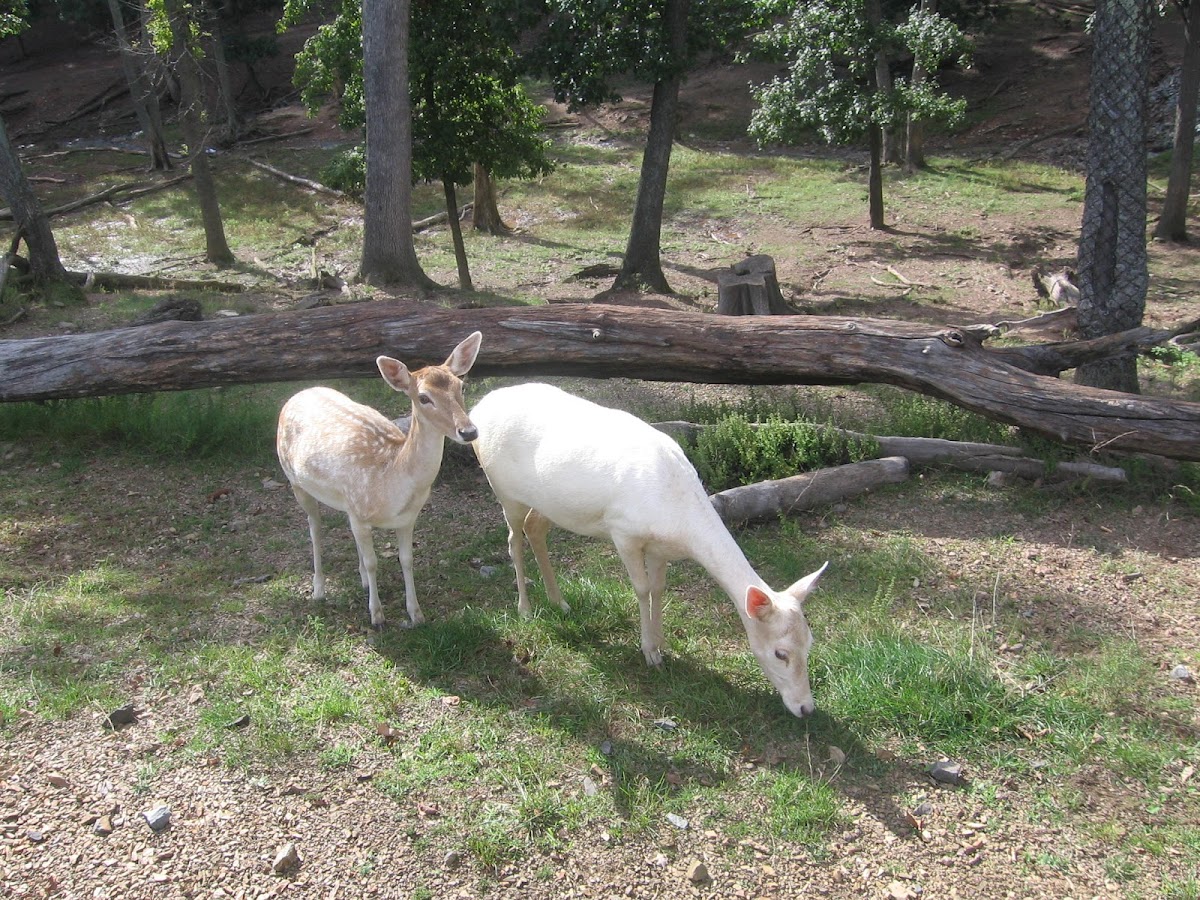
x=468, y=434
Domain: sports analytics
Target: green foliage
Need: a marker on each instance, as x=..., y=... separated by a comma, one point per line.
x=13, y=17
x=830, y=49
x=347, y=171
x=467, y=101
x=736, y=451
x=586, y=47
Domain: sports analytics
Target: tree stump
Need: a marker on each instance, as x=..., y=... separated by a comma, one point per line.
x=751, y=289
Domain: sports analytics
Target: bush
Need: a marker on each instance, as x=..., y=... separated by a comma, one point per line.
x=735, y=451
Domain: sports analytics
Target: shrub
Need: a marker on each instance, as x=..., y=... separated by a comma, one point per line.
x=736, y=451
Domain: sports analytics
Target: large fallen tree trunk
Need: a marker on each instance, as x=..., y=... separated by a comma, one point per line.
x=602, y=342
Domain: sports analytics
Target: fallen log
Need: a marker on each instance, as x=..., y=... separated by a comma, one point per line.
x=767, y=500
x=599, y=341
x=966, y=456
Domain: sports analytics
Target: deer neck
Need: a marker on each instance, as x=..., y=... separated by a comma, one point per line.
x=714, y=548
x=422, y=452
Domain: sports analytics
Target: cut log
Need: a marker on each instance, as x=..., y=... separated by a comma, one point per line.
x=767, y=500
x=751, y=289
x=601, y=341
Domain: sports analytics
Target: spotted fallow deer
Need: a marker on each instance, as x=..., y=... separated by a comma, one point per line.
x=553, y=458
x=352, y=458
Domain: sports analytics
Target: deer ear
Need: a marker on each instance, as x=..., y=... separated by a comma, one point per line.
x=462, y=357
x=758, y=603
x=395, y=373
x=802, y=588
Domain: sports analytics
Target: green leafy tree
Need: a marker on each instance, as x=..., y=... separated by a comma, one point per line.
x=587, y=45
x=833, y=50
x=468, y=106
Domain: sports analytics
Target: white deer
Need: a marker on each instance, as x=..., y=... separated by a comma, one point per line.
x=553, y=458
x=352, y=458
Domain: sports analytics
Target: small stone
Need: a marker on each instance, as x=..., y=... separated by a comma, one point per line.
x=287, y=858
x=589, y=786
x=270, y=484
x=487, y=571
x=606, y=748
x=1183, y=673
x=158, y=818
x=997, y=479
x=452, y=860
x=103, y=826
x=898, y=890
x=56, y=780
x=35, y=837
x=239, y=722
x=666, y=723
x=697, y=873
x=678, y=821
x=946, y=772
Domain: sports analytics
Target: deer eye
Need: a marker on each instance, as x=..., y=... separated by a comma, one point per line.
x=425, y=399
x=782, y=655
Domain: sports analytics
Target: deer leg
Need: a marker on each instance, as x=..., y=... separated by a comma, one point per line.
x=634, y=558
x=514, y=515
x=536, y=528
x=310, y=505
x=404, y=541
x=367, y=566
x=656, y=569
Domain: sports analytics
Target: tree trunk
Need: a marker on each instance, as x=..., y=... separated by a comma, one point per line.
x=141, y=92
x=914, y=146
x=642, y=266
x=875, y=176
x=1172, y=224
x=232, y=127
x=768, y=500
x=605, y=342
x=389, y=254
x=485, y=213
x=1112, y=268
x=195, y=120
x=27, y=211
x=460, y=249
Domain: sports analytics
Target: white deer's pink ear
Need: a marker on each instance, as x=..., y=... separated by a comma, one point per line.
x=395, y=373
x=804, y=586
x=758, y=603
x=462, y=357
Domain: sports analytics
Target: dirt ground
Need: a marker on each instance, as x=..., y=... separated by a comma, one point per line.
x=57, y=779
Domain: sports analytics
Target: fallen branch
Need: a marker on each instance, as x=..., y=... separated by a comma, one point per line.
x=440, y=218
x=962, y=455
x=784, y=496
x=296, y=179
x=129, y=192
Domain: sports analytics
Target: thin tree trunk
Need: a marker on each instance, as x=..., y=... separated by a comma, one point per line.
x=232, y=126
x=141, y=91
x=875, y=176
x=389, y=253
x=195, y=119
x=460, y=249
x=27, y=211
x=1172, y=224
x=642, y=264
x=485, y=213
